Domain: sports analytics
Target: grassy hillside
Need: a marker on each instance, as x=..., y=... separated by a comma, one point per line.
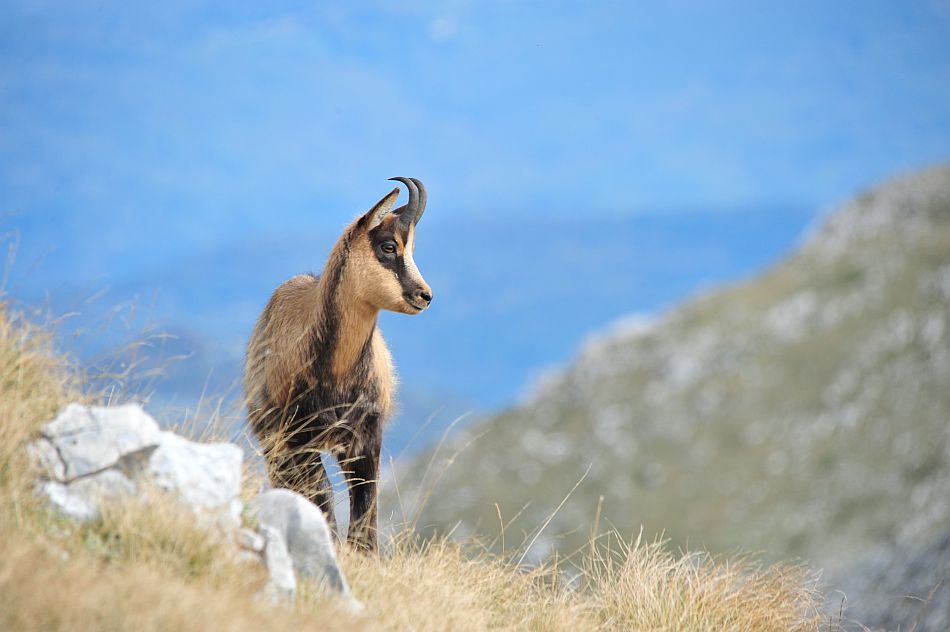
x=149, y=568
x=801, y=413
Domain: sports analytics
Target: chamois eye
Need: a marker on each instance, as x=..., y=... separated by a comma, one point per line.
x=389, y=248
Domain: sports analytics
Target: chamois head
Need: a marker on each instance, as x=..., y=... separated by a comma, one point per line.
x=382, y=244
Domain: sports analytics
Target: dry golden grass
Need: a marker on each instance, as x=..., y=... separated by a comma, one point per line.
x=148, y=567
x=631, y=586
x=643, y=586
x=34, y=384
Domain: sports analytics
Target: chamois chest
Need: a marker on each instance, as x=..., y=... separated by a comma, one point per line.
x=334, y=409
x=366, y=380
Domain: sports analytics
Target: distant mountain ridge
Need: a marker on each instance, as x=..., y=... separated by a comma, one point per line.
x=801, y=413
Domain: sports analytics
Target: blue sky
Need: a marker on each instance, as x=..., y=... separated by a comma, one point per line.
x=192, y=119
x=138, y=136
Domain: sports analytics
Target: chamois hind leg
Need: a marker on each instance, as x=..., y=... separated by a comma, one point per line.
x=361, y=469
x=303, y=472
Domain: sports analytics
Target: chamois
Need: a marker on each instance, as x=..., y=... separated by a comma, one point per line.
x=318, y=375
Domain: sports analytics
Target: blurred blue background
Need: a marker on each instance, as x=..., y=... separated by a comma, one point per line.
x=168, y=164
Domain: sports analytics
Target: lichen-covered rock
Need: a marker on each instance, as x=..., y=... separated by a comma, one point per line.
x=302, y=526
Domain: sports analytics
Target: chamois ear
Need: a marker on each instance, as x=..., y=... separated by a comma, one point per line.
x=381, y=209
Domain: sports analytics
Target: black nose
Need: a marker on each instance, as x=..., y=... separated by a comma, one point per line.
x=427, y=297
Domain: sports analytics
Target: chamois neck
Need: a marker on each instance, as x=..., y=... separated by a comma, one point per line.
x=357, y=324
x=347, y=321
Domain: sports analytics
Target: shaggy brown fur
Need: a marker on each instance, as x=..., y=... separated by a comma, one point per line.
x=318, y=375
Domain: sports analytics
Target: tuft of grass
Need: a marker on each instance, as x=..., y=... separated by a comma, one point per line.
x=443, y=585
x=149, y=567
x=643, y=586
x=162, y=534
x=34, y=384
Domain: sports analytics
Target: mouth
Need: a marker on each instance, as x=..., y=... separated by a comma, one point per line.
x=417, y=307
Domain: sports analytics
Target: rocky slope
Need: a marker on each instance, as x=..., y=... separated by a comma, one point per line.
x=902, y=588
x=801, y=413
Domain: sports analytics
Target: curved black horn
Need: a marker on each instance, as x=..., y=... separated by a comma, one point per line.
x=413, y=210
x=422, y=198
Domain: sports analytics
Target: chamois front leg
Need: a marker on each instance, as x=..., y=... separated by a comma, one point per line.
x=361, y=470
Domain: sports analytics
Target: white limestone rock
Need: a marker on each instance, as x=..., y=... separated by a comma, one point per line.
x=282, y=582
x=251, y=540
x=206, y=476
x=82, y=499
x=90, y=454
x=309, y=542
x=88, y=439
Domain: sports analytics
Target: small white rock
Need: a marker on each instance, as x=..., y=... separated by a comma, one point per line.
x=304, y=529
x=282, y=582
x=250, y=540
